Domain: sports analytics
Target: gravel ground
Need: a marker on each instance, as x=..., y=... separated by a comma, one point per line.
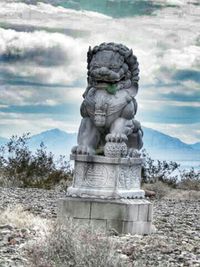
x=175, y=243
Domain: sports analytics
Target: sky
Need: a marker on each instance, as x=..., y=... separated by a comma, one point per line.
x=43, y=47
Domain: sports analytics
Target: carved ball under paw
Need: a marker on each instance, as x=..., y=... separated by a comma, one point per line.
x=115, y=150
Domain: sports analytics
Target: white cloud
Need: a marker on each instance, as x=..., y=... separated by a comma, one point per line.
x=184, y=58
x=23, y=123
x=50, y=96
x=166, y=41
x=172, y=2
x=32, y=54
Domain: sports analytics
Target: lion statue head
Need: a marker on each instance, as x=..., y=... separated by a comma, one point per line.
x=112, y=66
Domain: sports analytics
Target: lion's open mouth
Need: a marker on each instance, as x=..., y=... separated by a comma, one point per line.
x=111, y=88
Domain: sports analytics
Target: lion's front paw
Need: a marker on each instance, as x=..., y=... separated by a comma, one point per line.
x=116, y=137
x=83, y=150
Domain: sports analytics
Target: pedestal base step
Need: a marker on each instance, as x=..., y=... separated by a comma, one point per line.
x=125, y=216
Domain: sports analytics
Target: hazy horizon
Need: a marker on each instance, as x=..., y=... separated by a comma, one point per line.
x=76, y=132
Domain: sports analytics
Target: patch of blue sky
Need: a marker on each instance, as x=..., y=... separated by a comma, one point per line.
x=182, y=97
x=171, y=114
x=114, y=8
x=61, y=111
x=187, y=74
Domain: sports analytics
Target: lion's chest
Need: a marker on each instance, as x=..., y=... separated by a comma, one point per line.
x=103, y=107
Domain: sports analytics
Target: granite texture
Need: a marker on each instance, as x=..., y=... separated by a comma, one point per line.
x=125, y=216
x=107, y=178
x=109, y=107
x=107, y=159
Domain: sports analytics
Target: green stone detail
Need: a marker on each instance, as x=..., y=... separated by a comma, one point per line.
x=111, y=89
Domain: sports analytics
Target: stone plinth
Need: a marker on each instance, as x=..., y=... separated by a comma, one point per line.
x=106, y=178
x=133, y=216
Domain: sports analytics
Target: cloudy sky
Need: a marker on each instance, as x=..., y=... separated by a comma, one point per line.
x=43, y=48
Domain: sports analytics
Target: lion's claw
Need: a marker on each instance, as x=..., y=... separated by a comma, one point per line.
x=116, y=137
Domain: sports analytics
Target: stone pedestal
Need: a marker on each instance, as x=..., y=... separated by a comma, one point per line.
x=133, y=216
x=106, y=193
x=106, y=178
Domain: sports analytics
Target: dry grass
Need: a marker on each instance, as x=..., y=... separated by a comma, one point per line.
x=190, y=184
x=71, y=244
x=19, y=218
x=60, y=245
x=180, y=194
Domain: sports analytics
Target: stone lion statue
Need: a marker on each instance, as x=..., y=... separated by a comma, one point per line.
x=109, y=104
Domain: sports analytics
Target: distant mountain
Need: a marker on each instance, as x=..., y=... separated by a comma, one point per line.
x=196, y=146
x=56, y=141
x=165, y=147
x=158, y=145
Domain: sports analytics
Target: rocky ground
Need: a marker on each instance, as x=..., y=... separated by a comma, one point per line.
x=175, y=243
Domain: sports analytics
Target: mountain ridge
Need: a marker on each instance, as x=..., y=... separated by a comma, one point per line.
x=159, y=145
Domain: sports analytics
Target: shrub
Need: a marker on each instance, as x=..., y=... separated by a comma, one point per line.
x=190, y=180
x=74, y=245
x=156, y=170
x=20, y=218
x=21, y=167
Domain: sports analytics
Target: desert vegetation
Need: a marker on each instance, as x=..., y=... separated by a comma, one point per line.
x=162, y=176
x=21, y=167
x=31, y=236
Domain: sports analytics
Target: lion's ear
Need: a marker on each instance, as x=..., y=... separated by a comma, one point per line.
x=90, y=49
x=89, y=55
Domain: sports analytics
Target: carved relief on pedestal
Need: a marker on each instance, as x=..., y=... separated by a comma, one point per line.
x=79, y=173
x=129, y=177
x=96, y=175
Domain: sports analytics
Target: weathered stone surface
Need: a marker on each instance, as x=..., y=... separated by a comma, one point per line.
x=108, y=178
x=109, y=106
x=140, y=227
x=107, y=161
x=125, y=216
x=76, y=208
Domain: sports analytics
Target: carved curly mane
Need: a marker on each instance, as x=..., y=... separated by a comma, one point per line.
x=129, y=58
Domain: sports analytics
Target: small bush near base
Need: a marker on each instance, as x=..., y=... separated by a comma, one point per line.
x=154, y=171
x=74, y=245
x=190, y=180
x=20, y=167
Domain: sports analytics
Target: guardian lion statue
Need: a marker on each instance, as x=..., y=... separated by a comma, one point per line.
x=109, y=104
